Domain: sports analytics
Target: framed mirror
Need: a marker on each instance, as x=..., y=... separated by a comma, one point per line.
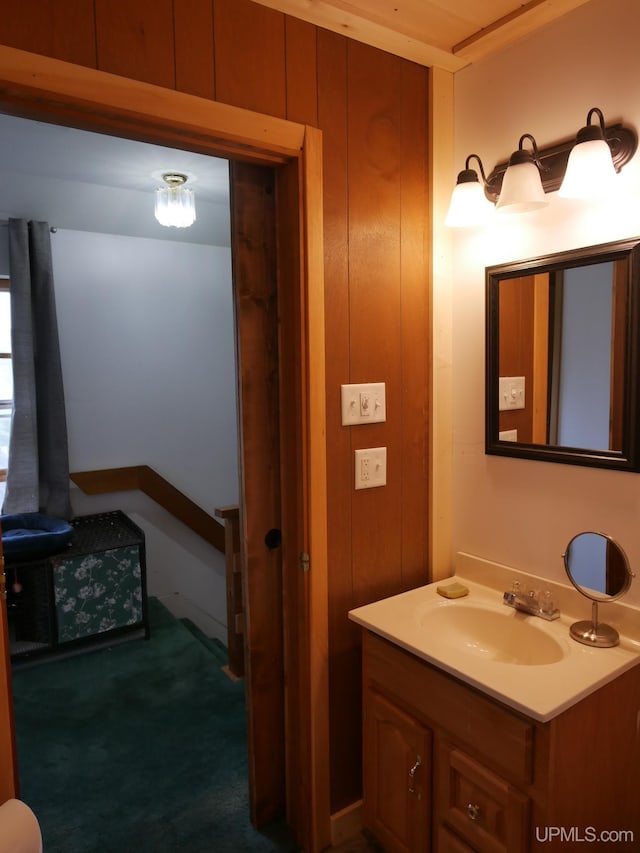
x=562, y=349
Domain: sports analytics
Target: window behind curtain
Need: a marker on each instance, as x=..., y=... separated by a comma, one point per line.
x=6, y=379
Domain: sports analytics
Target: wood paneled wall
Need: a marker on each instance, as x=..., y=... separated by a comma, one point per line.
x=372, y=109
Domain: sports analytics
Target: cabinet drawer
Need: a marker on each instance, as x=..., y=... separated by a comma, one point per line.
x=484, y=809
x=488, y=729
x=450, y=843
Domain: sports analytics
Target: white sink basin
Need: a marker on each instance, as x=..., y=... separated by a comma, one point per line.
x=504, y=637
x=524, y=661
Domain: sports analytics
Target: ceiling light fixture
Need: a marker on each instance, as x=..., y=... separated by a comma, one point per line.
x=175, y=203
x=521, y=183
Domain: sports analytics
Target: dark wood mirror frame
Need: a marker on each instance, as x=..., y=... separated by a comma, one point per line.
x=627, y=458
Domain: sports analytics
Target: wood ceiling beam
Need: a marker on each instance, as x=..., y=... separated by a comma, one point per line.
x=331, y=15
x=512, y=27
x=324, y=14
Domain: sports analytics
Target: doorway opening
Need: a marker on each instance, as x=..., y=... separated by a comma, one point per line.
x=293, y=152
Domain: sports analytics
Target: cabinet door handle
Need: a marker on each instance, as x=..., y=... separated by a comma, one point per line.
x=473, y=811
x=412, y=775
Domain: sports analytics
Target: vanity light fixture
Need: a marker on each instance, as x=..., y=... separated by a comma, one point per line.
x=522, y=182
x=469, y=205
x=175, y=202
x=522, y=188
x=590, y=170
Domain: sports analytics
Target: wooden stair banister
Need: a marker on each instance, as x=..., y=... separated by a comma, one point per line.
x=226, y=538
x=145, y=479
x=235, y=607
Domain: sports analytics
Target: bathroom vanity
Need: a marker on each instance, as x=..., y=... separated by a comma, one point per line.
x=474, y=743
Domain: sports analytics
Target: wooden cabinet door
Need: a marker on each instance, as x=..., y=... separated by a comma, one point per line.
x=397, y=777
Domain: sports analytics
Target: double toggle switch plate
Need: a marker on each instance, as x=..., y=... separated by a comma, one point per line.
x=363, y=404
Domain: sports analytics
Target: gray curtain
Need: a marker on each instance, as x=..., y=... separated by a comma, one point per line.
x=38, y=473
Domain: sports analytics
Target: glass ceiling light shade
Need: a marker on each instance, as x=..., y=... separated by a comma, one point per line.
x=590, y=170
x=522, y=189
x=175, y=203
x=468, y=206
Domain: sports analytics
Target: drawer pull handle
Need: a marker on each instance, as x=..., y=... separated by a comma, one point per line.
x=473, y=811
x=412, y=775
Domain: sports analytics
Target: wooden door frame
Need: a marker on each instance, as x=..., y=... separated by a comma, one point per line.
x=44, y=89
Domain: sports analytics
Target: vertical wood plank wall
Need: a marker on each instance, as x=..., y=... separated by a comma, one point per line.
x=372, y=109
x=516, y=349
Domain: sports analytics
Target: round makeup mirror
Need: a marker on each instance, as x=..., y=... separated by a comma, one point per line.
x=598, y=567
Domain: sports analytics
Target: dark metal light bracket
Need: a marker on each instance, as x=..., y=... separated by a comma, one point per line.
x=623, y=142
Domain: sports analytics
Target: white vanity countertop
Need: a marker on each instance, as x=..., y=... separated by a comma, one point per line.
x=541, y=691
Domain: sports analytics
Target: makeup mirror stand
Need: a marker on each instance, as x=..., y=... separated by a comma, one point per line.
x=599, y=569
x=594, y=633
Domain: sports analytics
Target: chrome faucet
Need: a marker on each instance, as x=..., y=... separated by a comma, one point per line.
x=530, y=602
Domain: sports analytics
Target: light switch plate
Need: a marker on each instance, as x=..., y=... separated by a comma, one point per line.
x=363, y=404
x=511, y=393
x=371, y=468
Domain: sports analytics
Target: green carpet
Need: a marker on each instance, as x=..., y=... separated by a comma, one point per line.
x=215, y=646
x=139, y=747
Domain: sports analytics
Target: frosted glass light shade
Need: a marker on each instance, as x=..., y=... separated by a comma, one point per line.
x=468, y=207
x=175, y=206
x=590, y=171
x=521, y=189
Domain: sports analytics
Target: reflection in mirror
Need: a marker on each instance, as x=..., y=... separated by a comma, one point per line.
x=562, y=337
x=598, y=567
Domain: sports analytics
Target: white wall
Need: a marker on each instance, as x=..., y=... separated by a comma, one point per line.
x=147, y=349
x=147, y=346
x=518, y=512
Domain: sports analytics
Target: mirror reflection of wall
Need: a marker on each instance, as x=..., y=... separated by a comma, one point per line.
x=562, y=352
x=557, y=330
x=584, y=369
x=588, y=562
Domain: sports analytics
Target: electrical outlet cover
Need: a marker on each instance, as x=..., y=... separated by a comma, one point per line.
x=371, y=467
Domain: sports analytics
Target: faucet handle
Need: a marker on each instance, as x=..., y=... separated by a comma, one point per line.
x=546, y=604
x=515, y=586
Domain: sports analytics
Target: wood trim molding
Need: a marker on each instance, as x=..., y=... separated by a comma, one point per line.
x=9, y=784
x=146, y=480
x=339, y=18
x=316, y=487
x=356, y=22
x=441, y=171
x=45, y=89
x=35, y=85
x=347, y=823
x=508, y=29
